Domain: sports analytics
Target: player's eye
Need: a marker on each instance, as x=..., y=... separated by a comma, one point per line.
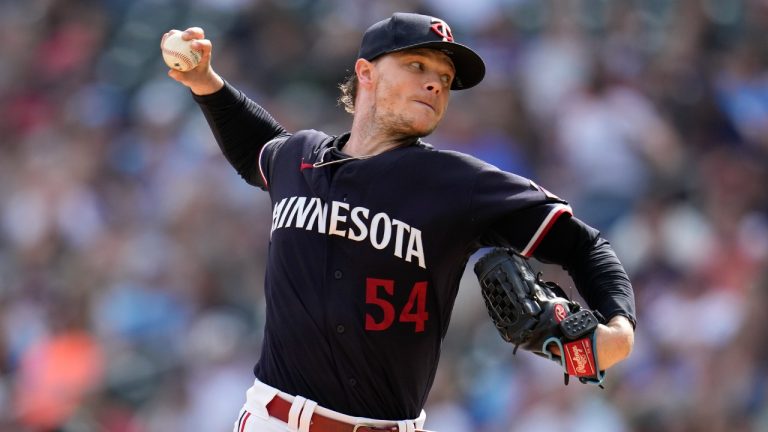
x=446, y=79
x=417, y=65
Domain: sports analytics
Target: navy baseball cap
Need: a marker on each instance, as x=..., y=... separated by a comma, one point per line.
x=409, y=30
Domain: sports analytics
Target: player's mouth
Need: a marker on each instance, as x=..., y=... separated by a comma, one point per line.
x=430, y=106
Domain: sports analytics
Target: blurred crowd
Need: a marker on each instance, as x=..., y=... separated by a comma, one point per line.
x=132, y=255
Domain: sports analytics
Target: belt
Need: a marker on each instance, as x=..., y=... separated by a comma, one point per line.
x=279, y=409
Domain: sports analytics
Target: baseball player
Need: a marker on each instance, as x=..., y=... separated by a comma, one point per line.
x=371, y=231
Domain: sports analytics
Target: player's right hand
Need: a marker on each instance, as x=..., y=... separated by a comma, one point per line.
x=202, y=80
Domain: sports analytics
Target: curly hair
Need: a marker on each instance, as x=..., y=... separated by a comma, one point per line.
x=348, y=92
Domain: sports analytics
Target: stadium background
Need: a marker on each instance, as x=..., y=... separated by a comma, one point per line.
x=131, y=254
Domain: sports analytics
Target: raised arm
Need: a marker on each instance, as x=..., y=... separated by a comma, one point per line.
x=241, y=127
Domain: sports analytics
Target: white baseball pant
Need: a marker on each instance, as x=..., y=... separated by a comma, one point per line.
x=254, y=417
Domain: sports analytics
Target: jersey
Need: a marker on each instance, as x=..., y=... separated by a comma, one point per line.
x=365, y=258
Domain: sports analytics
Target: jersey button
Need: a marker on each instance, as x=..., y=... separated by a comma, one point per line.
x=340, y=329
x=338, y=274
x=352, y=382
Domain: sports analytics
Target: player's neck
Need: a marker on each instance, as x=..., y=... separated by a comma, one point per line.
x=365, y=140
x=367, y=147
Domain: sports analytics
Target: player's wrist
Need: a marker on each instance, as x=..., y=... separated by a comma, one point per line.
x=211, y=85
x=615, y=341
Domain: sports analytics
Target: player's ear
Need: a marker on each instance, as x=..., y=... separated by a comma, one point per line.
x=365, y=71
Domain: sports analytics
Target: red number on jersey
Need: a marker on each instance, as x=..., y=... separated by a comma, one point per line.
x=372, y=297
x=415, y=310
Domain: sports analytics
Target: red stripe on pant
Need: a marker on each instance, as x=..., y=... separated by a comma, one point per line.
x=244, y=421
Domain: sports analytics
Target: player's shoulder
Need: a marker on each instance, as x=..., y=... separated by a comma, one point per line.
x=301, y=141
x=467, y=167
x=309, y=137
x=453, y=158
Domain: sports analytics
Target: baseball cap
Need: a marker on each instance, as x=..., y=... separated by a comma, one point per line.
x=409, y=30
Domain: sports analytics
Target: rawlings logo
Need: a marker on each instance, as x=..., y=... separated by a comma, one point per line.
x=441, y=28
x=580, y=360
x=560, y=312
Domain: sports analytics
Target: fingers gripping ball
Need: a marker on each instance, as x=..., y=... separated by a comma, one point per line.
x=178, y=53
x=537, y=316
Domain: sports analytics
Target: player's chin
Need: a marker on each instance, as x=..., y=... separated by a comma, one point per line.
x=415, y=132
x=413, y=126
x=423, y=128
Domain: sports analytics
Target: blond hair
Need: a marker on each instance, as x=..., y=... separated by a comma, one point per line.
x=348, y=92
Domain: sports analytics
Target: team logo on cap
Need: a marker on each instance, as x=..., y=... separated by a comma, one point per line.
x=441, y=28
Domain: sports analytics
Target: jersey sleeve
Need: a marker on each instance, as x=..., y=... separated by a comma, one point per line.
x=593, y=265
x=246, y=133
x=515, y=212
x=512, y=211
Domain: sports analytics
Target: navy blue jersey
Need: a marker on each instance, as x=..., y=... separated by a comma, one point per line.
x=364, y=265
x=366, y=254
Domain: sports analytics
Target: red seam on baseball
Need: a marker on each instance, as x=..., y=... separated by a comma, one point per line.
x=186, y=59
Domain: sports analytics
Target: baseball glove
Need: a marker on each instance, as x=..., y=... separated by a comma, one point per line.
x=538, y=316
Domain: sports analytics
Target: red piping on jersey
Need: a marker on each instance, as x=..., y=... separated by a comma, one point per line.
x=261, y=171
x=305, y=165
x=544, y=228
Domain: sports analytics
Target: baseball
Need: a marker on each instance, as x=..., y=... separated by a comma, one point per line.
x=178, y=53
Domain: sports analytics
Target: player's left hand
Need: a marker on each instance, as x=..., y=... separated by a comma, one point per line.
x=537, y=316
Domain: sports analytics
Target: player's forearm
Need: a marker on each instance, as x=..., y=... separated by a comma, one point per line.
x=615, y=340
x=592, y=264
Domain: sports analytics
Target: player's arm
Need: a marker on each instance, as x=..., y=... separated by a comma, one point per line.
x=513, y=212
x=601, y=280
x=241, y=127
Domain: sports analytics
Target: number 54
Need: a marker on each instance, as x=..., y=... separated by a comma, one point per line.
x=415, y=309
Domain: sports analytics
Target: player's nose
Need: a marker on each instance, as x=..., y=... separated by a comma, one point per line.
x=433, y=84
x=433, y=87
